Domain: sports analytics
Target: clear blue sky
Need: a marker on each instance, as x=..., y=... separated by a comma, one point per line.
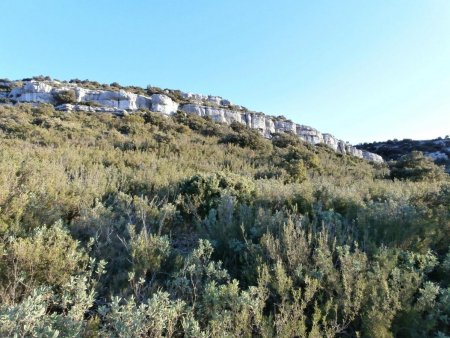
x=361, y=70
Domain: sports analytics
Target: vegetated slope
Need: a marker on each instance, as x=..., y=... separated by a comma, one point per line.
x=150, y=226
x=437, y=149
x=88, y=96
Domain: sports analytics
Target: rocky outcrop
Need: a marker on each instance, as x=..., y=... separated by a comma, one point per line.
x=333, y=143
x=218, y=109
x=91, y=109
x=40, y=92
x=33, y=91
x=215, y=113
x=198, y=98
x=118, y=99
x=163, y=104
x=265, y=124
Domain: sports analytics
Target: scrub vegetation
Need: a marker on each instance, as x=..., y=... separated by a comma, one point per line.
x=153, y=226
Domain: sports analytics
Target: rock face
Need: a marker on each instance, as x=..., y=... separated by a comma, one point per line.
x=33, y=92
x=117, y=99
x=92, y=109
x=163, y=104
x=217, y=114
x=217, y=108
x=40, y=92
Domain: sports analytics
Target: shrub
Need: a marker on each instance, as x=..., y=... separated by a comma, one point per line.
x=156, y=119
x=65, y=96
x=153, y=90
x=297, y=161
x=44, y=109
x=147, y=251
x=246, y=137
x=203, y=192
x=416, y=167
x=323, y=258
x=159, y=317
x=284, y=140
x=202, y=125
x=49, y=257
x=90, y=103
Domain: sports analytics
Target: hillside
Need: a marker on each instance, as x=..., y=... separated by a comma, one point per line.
x=77, y=95
x=437, y=149
x=145, y=224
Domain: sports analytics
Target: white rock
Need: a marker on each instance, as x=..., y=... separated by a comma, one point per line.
x=349, y=149
x=120, y=101
x=215, y=99
x=270, y=127
x=283, y=126
x=74, y=107
x=309, y=134
x=143, y=102
x=331, y=141
x=257, y=121
x=84, y=108
x=371, y=156
x=198, y=98
x=216, y=114
x=36, y=87
x=163, y=104
x=341, y=147
x=32, y=91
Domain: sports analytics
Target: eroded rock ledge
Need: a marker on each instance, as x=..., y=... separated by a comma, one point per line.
x=120, y=101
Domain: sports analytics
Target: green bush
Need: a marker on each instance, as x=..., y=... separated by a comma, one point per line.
x=246, y=137
x=201, y=193
x=225, y=241
x=49, y=257
x=284, y=140
x=65, y=96
x=44, y=109
x=202, y=125
x=416, y=167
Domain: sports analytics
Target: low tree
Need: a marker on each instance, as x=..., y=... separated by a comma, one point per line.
x=416, y=167
x=65, y=96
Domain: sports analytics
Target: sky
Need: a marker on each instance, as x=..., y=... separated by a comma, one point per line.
x=363, y=71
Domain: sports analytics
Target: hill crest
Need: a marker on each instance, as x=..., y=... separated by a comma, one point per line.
x=90, y=96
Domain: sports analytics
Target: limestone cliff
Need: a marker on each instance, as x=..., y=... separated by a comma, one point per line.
x=120, y=101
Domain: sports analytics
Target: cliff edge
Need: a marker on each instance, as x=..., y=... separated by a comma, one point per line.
x=75, y=96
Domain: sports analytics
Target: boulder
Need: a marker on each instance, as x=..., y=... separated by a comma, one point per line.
x=371, y=156
x=163, y=104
